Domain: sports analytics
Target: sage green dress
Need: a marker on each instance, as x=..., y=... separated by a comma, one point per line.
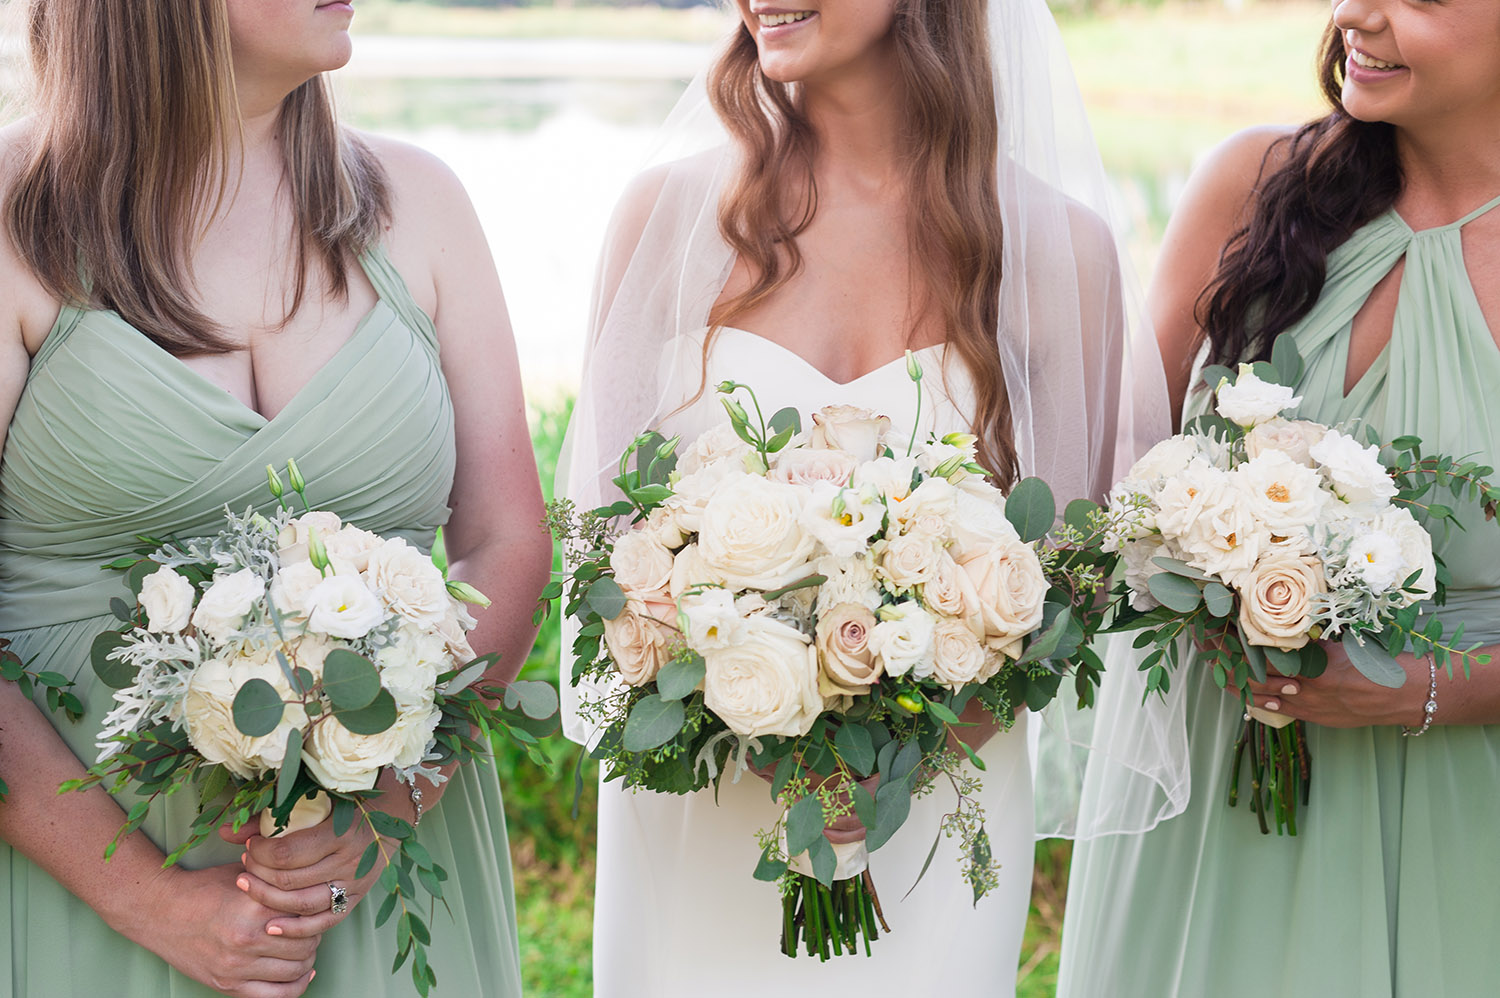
x=114, y=437
x=1391, y=889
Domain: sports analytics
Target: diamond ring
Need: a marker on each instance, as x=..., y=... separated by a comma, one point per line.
x=338, y=899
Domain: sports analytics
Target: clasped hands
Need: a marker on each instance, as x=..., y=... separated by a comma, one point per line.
x=1342, y=697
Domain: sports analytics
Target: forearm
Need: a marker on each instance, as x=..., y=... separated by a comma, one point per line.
x=1460, y=700
x=66, y=834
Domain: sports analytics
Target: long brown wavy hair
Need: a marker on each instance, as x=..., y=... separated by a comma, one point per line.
x=128, y=159
x=952, y=144
x=1339, y=173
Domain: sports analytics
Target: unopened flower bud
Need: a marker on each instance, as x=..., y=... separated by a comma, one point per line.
x=466, y=593
x=273, y=480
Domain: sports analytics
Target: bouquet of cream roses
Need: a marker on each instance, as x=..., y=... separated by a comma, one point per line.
x=1258, y=536
x=823, y=606
x=282, y=664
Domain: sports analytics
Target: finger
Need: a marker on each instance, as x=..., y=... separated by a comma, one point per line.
x=840, y=836
x=336, y=867
x=306, y=926
x=307, y=901
x=294, y=849
x=228, y=834
x=277, y=989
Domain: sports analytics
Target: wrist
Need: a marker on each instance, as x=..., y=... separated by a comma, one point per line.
x=132, y=913
x=1429, y=701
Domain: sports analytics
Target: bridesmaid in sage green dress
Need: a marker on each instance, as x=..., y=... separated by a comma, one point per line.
x=1391, y=889
x=205, y=275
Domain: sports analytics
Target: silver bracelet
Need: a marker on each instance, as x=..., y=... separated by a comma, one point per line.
x=1429, y=709
x=416, y=800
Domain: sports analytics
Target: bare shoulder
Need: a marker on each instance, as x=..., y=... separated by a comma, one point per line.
x=27, y=313
x=1222, y=189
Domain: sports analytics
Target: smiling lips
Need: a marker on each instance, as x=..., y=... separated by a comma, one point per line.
x=1370, y=62
x=772, y=20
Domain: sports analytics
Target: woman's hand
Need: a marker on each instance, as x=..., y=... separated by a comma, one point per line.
x=1342, y=697
x=291, y=873
x=207, y=928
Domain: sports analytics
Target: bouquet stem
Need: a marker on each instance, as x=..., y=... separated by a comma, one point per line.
x=830, y=921
x=1280, y=773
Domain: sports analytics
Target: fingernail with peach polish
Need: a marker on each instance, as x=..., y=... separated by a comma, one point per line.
x=1289, y=688
x=1273, y=705
x=243, y=883
x=273, y=930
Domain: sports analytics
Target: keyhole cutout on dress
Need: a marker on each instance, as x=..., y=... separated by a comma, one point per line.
x=1373, y=324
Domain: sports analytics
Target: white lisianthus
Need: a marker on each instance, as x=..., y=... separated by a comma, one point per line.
x=342, y=606
x=710, y=619
x=168, y=601
x=1286, y=496
x=1276, y=600
x=928, y=509
x=959, y=658
x=906, y=561
x=641, y=564
x=842, y=520
x=1006, y=587
x=717, y=445
x=290, y=587
x=638, y=643
x=1292, y=437
x=978, y=524
x=407, y=581
x=1375, y=559
x=810, y=466
x=225, y=603
x=889, y=476
x=1250, y=400
x=766, y=683
x=752, y=536
x=902, y=640
x=1209, y=517
x=453, y=629
x=848, y=428
x=1416, y=551
x=1354, y=471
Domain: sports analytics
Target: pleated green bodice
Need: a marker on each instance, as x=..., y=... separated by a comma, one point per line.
x=114, y=438
x=1390, y=888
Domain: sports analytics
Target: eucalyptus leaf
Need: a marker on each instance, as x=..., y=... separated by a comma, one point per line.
x=936, y=839
x=257, y=708
x=111, y=672
x=652, y=723
x=680, y=677
x=291, y=764
x=768, y=869
x=606, y=598
x=1175, y=592
x=855, y=747
x=1079, y=512
x=1265, y=371
x=1374, y=662
x=1219, y=599
x=786, y=418
x=804, y=824
x=1255, y=656
x=892, y=806
x=864, y=805
x=537, y=700
x=1288, y=663
x=1214, y=374
x=350, y=680
x=1046, y=643
x=1031, y=509
x=1287, y=360
x=372, y=719
x=824, y=861
x=1182, y=568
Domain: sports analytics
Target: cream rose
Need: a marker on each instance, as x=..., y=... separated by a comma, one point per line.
x=1276, y=600
x=407, y=581
x=1007, y=587
x=907, y=561
x=293, y=538
x=339, y=759
x=224, y=605
x=1292, y=437
x=640, y=563
x=844, y=654
x=1250, y=400
x=637, y=643
x=691, y=493
x=850, y=580
x=168, y=601
x=661, y=526
x=848, y=428
x=342, y=606
x=767, y=683
x=349, y=548
x=1354, y=471
x=291, y=586
x=208, y=709
x=718, y=445
x=927, y=510
x=979, y=524
x=409, y=666
x=689, y=571
x=752, y=537
x=809, y=466
x=944, y=592
x=903, y=639
x=958, y=655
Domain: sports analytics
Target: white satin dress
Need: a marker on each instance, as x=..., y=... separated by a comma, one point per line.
x=677, y=912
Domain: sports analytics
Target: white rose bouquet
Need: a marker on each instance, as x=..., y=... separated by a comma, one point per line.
x=1259, y=535
x=823, y=606
x=280, y=665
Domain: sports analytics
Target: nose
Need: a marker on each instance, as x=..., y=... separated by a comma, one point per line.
x=1367, y=16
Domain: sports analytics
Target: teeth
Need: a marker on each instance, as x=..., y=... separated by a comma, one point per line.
x=1369, y=62
x=771, y=20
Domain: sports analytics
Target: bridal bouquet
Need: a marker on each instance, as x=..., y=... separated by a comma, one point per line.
x=281, y=664
x=823, y=606
x=1259, y=536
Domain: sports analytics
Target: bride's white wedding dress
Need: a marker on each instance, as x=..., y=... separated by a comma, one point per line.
x=677, y=912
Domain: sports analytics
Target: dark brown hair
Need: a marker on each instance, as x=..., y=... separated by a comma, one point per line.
x=952, y=143
x=129, y=156
x=1339, y=173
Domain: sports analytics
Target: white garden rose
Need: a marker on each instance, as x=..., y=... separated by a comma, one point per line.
x=661, y=526
x=842, y=520
x=1276, y=600
x=752, y=536
x=453, y=629
x=339, y=759
x=342, y=606
x=1286, y=496
x=638, y=643
x=208, y=710
x=902, y=640
x=222, y=609
x=907, y=561
x=291, y=586
x=407, y=581
x=1006, y=586
x=927, y=510
x=168, y=601
x=848, y=428
x=944, y=591
x=848, y=663
x=293, y=537
x=410, y=665
x=1416, y=551
x=810, y=466
x=690, y=570
x=766, y=683
x=1163, y=460
x=349, y=548
x=710, y=619
x=959, y=657
x=1209, y=518
x=717, y=445
x=309, y=652
x=1354, y=471
x=890, y=477
x=692, y=492
x=640, y=563
x=978, y=524
x=1292, y=437
x=1250, y=400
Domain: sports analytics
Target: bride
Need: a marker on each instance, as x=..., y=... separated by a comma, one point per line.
x=880, y=189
